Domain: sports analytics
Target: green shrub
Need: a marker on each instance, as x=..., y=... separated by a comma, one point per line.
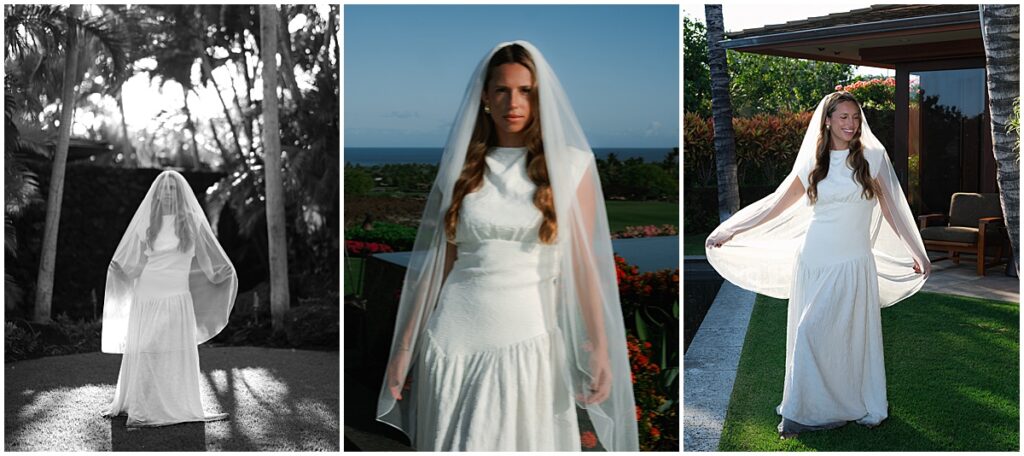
x=357, y=180
x=19, y=342
x=63, y=336
x=313, y=326
x=399, y=237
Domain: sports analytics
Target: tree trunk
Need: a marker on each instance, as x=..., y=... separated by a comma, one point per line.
x=130, y=159
x=224, y=153
x=196, y=164
x=287, y=61
x=721, y=110
x=205, y=59
x=277, y=242
x=48, y=256
x=1000, y=30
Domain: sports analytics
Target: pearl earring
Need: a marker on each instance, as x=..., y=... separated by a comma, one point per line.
x=487, y=109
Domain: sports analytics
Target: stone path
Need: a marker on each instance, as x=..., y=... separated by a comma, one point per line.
x=710, y=367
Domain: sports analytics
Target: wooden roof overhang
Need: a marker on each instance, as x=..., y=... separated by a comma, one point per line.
x=879, y=36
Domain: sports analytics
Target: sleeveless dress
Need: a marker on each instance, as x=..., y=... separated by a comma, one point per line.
x=158, y=383
x=835, y=370
x=488, y=376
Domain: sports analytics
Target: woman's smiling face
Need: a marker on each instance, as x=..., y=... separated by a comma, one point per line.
x=843, y=124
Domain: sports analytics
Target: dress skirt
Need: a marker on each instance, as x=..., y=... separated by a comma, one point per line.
x=490, y=376
x=835, y=367
x=158, y=383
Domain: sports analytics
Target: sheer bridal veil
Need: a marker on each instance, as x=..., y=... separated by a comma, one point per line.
x=211, y=278
x=762, y=258
x=588, y=309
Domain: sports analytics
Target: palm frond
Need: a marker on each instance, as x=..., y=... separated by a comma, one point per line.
x=37, y=29
x=105, y=30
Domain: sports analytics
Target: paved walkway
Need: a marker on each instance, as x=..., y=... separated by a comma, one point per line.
x=710, y=367
x=963, y=280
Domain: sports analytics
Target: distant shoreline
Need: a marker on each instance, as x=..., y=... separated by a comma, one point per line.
x=370, y=156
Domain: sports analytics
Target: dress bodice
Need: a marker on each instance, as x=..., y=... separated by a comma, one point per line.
x=502, y=209
x=840, y=186
x=841, y=216
x=167, y=267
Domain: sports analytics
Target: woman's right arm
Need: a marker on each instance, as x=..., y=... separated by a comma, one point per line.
x=793, y=194
x=398, y=366
x=133, y=268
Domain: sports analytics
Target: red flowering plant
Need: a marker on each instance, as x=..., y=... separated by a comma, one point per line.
x=878, y=93
x=650, y=307
x=362, y=249
x=657, y=417
x=646, y=231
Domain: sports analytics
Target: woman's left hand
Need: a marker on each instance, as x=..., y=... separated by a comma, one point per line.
x=601, y=379
x=927, y=269
x=221, y=275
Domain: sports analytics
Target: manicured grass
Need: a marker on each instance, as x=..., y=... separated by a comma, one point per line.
x=632, y=213
x=278, y=400
x=693, y=244
x=353, y=271
x=952, y=368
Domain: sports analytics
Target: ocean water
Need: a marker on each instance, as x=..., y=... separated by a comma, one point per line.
x=369, y=156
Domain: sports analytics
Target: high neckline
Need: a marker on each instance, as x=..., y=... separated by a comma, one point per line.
x=506, y=150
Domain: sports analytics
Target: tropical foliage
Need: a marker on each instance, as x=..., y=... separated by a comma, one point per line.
x=759, y=84
x=205, y=52
x=650, y=307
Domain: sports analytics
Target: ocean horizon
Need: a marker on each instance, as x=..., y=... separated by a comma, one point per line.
x=371, y=156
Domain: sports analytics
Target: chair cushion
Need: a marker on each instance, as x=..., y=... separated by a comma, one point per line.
x=950, y=234
x=966, y=208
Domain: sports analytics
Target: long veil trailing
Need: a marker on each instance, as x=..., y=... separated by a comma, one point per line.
x=761, y=258
x=212, y=280
x=588, y=308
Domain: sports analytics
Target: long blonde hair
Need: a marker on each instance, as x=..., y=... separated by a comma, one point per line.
x=856, y=160
x=484, y=137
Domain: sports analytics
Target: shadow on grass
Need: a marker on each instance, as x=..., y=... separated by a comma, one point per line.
x=277, y=400
x=181, y=437
x=952, y=370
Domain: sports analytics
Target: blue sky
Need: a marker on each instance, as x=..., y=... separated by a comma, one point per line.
x=407, y=66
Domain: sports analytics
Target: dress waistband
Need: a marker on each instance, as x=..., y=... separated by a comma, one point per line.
x=502, y=255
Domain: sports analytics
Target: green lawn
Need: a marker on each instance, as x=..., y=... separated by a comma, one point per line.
x=278, y=400
x=952, y=368
x=632, y=213
x=693, y=244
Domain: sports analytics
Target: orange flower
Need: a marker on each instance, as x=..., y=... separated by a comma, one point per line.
x=655, y=433
x=588, y=439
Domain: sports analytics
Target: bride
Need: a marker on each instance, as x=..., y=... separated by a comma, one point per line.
x=170, y=287
x=509, y=315
x=837, y=239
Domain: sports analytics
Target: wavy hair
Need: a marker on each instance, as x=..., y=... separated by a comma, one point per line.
x=485, y=137
x=856, y=160
x=182, y=227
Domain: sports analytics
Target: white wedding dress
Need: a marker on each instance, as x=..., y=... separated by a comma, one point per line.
x=158, y=383
x=487, y=377
x=835, y=370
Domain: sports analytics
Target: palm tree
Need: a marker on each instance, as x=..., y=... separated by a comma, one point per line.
x=38, y=31
x=44, y=284
x=721, y=109
x=1000, y=30
x=277, y=242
